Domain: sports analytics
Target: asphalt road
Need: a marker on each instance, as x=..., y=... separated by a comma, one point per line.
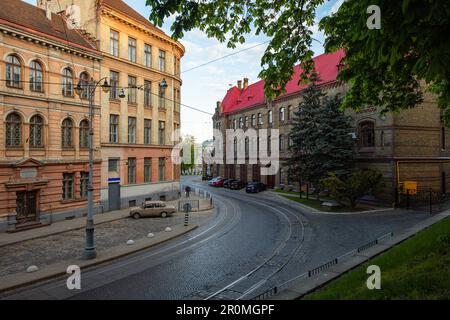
x=253, y=243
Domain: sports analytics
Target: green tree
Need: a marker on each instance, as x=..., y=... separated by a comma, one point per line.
x=286, y=22
x=321, y=137
x=188, y=143
x=385, y=67
x=352, y=187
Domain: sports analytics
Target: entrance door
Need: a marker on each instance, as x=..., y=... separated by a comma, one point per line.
x=256, y=174
x=114, y=196
x=26, y=207
x=271, y=181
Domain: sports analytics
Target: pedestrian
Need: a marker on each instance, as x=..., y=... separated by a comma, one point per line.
x=188, y=191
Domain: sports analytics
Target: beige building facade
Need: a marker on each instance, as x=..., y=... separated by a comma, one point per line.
x=139, y=115
x=43, y=122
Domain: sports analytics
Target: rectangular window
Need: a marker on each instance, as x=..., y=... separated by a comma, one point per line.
x=114, y=43
x=114, y=81
x=68, y=180
x=131, y=130
x=114, y=128
x=162, y=133
x=84, y=183
x=132, y=49
x=131, y=170
x=148, y=55
x=162, y=98
x=147, y=131
x=147, y=169
x=113, y=165
x=147, y=93
x=132, y=89
x=162, y=169
x=162, y=60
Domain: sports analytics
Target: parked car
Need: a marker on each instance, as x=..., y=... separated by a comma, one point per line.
x=207, y=178
x=219, y=182
x=255, y=187
x=210, y=182
x=227, y=183
x=152, y=209
x=237, y=185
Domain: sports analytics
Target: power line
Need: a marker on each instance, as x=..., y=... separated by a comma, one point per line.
x=226, y=56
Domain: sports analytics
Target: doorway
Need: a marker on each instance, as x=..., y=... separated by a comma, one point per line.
x=26, y=207
x=114, y=196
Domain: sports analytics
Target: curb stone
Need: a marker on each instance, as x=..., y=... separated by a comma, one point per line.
x=18, y=280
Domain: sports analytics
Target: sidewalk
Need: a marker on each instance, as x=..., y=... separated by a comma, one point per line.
x=54, y=247
x=80, y=223
x=313, y=210
x=304, y=284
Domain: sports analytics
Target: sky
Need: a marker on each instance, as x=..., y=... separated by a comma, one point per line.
x=204, y=86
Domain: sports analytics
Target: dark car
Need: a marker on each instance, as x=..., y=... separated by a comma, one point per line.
x=207, y=178
x=255, y=187
x=227, y=183
x=237, y=185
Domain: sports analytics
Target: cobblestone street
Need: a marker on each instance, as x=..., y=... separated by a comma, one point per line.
x=16, y=258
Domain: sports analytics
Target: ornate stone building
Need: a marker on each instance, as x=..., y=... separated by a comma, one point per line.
x=138, y=116
x=44, y=123
x=412, y=145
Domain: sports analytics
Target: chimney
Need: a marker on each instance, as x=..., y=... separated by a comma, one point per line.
x=48, y=11
x=239, y=84
x=245, y=83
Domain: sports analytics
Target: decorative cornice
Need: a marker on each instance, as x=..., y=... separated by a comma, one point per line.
x=116, y=15
x=46, y=41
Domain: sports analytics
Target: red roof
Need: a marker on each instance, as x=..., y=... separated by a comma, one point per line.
x=326, y=65
x=30, y=18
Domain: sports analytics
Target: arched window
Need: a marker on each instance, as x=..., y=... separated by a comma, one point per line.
x=84, y=134
x=269, y=117
x=67, y=133
x=67, y=81
x=241, y=122
x=253, y=120
x=282, y=114
x=290, y=115
x=13, y=72
x=36, y=132
x=84, y=80
x=36, y=77
x=13, y=130
x=260, y=119
x=367, y=134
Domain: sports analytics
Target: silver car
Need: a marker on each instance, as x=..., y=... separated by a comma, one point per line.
x=152, y=209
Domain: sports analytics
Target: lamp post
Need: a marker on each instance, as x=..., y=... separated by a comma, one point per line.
x=91, y=86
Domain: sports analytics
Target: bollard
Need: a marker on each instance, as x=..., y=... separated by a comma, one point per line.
x=187, y=208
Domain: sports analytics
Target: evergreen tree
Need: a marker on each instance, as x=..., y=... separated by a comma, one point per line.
x=321, y=138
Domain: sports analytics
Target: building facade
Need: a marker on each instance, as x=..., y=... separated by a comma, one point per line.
x=411, y=145
x=138, y=116
x=44, y=123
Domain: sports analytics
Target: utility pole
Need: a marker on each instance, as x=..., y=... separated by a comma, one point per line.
x=89, y=250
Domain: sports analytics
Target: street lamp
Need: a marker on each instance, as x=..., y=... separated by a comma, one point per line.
x=163, y=84
x=91, y=86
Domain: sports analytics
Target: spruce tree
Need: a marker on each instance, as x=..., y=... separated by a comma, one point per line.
x=322, y=142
